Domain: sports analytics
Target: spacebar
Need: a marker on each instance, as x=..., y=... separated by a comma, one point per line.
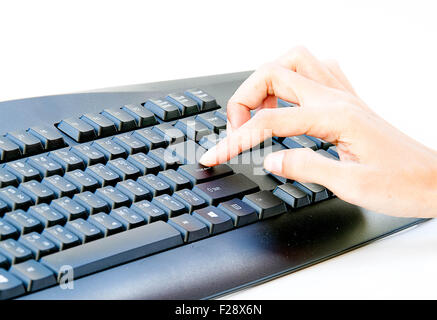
x=114, y=250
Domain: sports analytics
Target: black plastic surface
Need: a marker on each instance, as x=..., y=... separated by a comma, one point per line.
x=223, y=263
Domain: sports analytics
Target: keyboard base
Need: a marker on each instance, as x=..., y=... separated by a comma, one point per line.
x=240, y=258
x=224, y=263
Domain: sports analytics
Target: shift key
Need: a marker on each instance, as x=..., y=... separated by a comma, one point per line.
x=226, y=188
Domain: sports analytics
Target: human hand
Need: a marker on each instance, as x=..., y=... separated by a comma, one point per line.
x=380, y=168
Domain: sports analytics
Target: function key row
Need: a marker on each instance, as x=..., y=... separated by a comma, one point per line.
x=130, y=117
x=90, y=126
x=38, y=139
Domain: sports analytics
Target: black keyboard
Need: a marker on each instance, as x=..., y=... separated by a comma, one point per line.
x=103, y=190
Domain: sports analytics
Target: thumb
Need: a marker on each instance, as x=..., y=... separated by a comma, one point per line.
x=305, y=165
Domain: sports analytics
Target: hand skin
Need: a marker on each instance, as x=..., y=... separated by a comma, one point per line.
x=380, y=168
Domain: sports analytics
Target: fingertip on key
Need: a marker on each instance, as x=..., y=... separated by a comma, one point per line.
x=209, y=158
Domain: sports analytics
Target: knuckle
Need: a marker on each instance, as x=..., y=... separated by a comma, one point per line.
x=268, y=71
x=300, y=52
x=266, y=68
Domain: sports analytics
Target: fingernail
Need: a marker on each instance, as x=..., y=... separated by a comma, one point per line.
x=273, y=162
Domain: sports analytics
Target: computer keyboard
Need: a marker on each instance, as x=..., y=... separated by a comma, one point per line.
x=87, y=189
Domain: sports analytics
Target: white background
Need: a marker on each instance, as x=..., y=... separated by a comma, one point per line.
x=388, y=49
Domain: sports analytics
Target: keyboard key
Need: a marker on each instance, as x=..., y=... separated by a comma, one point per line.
x=240, y=212
x=3, y=207
x=151, y=138
x=128, y=218
x=60, y=186
x=23, y=171
x=47, y=215
x=123, y=168
x=106, y=224
x=265, y=204
x=7, y=178
x=45, y=165
x=115, y=250
x=194, y=130
x=130, y=143
x=110, y=148
x=84, y=230
x=327, y=154
x=186, y=105
x=104, y=175
x=170, y=133
x=320, y=143
x=61, y=237
x=189, y=199
x=165, y=158
x=315, y=191
x=203, y=99
x=67, y=159
x=88, y=154
x=103, y=127
x=215, y=219
x=221, y=113
x=212, y=121
x=38, y=244
x=292, y=195
x=149, y=211
x=226, y=188
x=77, y=129
x=69, y=208
x=10, y=286
x=91, y=202
x=133, y=190
x=23, y=221
x=113, y=197
x=82, y=181
x=170, y=205
x=27, y=143
x=142, y=116
x=209, y=141
x=190, y=228
x=8, y=150
x=123, y=120
x=163, y=109
x=4, y=263
x=34, y=275
x=38, y=192
x=299, y=142
x=333, y=150
x=14, y=198
x=49, y=137
x=14, y=251
x=188, y=152
x=155, y=185
x=144, y=163
x=175, y=180
x=7, y=231
x=198, y=173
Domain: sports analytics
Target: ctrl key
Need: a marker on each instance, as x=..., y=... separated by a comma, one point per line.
x=10, y=286
x=190, y=228
x=34, y=275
